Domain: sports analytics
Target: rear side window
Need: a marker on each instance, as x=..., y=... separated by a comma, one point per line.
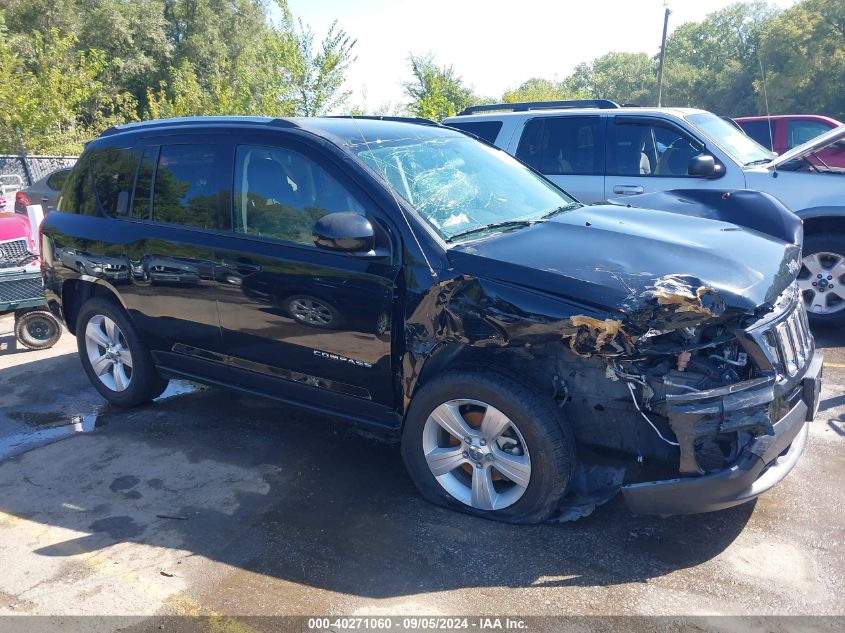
x=190, y=186
x=488, y=130
x=759, y=131
x=562, y=146
x=113, y=172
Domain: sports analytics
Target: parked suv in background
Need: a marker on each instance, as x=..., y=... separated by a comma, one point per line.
x=411, y=279
x=783, y=132
x=599, y=151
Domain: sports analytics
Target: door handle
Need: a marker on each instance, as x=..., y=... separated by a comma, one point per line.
x=627, y=190
x=242, y=265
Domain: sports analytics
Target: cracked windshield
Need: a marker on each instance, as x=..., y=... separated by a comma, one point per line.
x=461, y=187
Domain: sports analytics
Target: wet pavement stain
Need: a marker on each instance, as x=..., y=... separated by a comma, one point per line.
x=124, y=483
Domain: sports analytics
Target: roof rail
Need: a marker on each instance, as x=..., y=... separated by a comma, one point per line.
x=603, y=104
x=376, y=117
x=199, y=120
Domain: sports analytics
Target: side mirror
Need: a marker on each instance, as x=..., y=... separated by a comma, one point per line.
x=704, y=166
x=344, y=231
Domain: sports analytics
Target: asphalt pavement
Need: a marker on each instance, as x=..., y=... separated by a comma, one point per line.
x=210, y=503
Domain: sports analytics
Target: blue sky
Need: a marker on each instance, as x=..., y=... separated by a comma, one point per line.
x=494, y=45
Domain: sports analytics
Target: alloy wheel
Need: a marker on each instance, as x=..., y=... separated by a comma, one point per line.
x=310, y=311
x=822, y=282
x=477, y=454
x=108, y=353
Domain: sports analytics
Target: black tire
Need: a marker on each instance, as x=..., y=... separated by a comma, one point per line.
x=37, y=329
x=547, y=434
x=826, y=243
x=145, y=382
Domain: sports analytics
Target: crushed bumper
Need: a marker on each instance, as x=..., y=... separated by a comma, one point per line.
x=764, y=462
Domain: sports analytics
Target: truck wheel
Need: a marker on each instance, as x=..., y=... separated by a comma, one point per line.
x=822, y=279
x=485, y=444
x=37, y=329
x=116, y=361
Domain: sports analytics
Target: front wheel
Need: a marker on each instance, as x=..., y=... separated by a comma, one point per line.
x=485, y=444
x=114, y=357
x=822, y=279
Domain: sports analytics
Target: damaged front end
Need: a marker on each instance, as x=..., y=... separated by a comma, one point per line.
x=736, y=403
x=696, y=389
x=728, y=392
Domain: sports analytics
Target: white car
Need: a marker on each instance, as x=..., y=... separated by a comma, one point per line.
x=599, y=151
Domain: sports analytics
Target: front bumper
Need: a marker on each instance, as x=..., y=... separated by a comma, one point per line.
x=764, y=462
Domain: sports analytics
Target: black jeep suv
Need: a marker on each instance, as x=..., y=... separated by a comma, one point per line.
x=412, y=279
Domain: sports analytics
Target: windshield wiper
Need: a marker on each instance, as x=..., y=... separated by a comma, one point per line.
x=562, y=209
x=759, y=161
x=509, y=224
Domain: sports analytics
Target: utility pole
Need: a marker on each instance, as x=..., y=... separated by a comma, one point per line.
x=662, y=54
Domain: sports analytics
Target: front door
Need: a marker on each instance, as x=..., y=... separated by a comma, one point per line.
x=645, y=155
x=298, y=320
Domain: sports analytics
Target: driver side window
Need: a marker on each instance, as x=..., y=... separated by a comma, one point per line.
x=280, y=194
x=642, y=149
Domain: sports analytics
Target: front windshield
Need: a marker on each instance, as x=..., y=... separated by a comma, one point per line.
x=741, y=147
x=458, y=184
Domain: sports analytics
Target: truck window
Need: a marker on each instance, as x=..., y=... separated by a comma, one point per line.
x=799, y=132
x=759, y=131
x=562, y=145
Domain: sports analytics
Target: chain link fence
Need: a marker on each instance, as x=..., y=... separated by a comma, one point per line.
x=33, y=168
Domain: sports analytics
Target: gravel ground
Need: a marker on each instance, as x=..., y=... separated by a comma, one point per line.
x=209, y=503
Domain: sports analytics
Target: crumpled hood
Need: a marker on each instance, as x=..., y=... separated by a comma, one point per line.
x=813, y=145
x=618, y=259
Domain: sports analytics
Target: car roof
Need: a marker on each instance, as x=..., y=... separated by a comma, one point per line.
x=544, y=112
x=346, y=131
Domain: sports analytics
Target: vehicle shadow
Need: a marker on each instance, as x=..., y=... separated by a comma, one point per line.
x=308, y=500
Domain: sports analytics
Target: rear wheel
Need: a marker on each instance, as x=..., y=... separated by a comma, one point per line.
x=487, y=445
x=822, y=279
x=37, y=329
x=116, y=361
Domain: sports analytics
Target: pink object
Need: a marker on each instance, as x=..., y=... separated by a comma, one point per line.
x=14, y=226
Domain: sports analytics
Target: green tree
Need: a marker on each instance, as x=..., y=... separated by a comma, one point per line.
x=436, y=92
x=620, y=77
x=318, y=75
x=803, y=53
x=63, y=102
x=537, y=89
x=714, y=64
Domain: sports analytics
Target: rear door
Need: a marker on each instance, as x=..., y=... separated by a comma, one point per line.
x=568, y=150
x=179, y=211
x=645, y=154
x=299, y=321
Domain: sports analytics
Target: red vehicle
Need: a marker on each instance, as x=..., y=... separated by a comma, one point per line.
x=790, y=130
x=21, y=288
